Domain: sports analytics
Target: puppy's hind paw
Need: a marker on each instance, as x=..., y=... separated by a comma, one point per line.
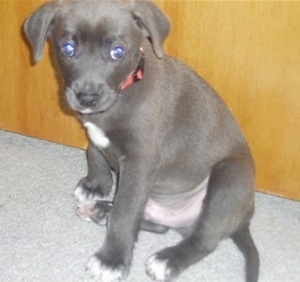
x=158, y=269
x=106, y=273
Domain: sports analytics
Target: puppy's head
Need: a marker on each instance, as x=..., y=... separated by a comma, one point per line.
x=97, y=45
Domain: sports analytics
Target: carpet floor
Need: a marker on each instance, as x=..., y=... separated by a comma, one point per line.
x=41, y=238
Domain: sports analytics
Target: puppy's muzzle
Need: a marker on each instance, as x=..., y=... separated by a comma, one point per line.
x=88, y=99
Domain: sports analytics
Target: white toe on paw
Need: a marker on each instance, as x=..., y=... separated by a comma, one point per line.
x=83, y=195
x=158, y=269
x=107, y=274
x=80, y=194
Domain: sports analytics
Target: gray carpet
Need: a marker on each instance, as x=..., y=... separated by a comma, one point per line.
x=41, y=238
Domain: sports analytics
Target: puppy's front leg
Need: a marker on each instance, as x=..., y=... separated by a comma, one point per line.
x=113, y=260
x=98, y=182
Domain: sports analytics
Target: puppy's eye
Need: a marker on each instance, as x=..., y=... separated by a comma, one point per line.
x=68, y=50
x=117, y=52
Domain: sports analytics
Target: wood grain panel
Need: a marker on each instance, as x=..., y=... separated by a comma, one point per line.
x=249, y=51
x=31, y=102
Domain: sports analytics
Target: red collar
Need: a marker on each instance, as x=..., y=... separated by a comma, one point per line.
x=135, y=76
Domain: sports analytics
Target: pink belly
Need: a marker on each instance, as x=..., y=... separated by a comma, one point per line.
x=181, y=210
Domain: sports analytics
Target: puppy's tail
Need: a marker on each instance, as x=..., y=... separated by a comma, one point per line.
x=243, y=239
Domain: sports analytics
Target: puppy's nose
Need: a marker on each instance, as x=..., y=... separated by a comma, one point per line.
x=88, y=99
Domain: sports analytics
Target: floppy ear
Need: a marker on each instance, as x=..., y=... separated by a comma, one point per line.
x=154, y=24
x=37, y=27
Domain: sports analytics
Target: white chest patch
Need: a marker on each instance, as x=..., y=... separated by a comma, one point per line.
x=96, y=135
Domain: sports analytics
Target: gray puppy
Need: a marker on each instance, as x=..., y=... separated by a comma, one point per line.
x=180, y=158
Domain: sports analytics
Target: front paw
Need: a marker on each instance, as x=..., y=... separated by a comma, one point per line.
x=91, y=190
x=96, y=211
x=107, y=273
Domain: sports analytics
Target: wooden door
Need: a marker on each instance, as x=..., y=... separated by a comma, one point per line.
x=249, y=51
x=31, y=100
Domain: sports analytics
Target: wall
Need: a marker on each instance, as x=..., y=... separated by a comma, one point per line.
x=249, y=51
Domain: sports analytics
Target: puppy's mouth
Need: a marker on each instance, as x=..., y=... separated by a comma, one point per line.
x=90, y=102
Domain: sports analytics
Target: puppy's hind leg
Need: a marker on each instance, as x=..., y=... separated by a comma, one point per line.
x=153, y=227
x=228, y=205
